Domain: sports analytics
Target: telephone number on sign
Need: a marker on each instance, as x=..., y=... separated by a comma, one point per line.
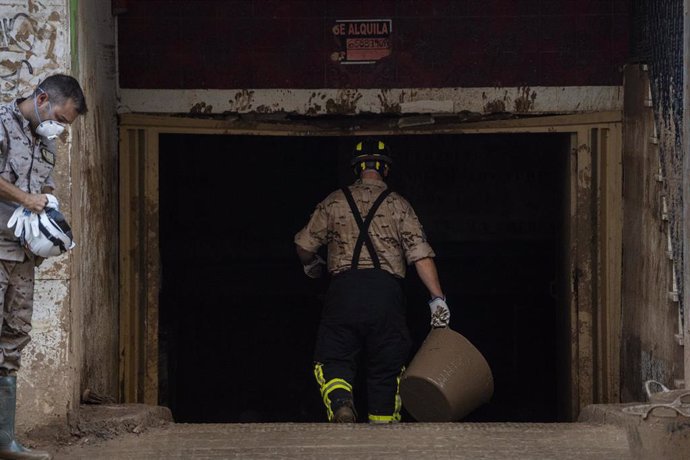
x=367, y=43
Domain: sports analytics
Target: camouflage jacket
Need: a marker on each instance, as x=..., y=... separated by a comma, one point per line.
x=396, y=233
x=27, y=162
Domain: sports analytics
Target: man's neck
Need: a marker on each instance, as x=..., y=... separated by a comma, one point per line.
x=371, y=174
x=26, y=108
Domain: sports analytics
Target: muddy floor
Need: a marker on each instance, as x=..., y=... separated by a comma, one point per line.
x=558, y=441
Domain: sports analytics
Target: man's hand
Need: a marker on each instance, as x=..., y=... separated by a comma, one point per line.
x=440, y=314
x=314, y=269
x=36, y=202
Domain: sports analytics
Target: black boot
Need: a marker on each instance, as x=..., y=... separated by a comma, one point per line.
x=10, y=449
x=345, y=412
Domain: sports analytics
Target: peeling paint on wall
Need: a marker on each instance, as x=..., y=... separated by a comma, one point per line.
x=33, y=40
x=44, y=387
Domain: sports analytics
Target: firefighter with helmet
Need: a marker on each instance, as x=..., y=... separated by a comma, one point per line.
x=371, y=234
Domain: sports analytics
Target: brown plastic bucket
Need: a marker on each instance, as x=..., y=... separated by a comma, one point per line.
x=663, y=394
x=446, y=380
x=660, y=430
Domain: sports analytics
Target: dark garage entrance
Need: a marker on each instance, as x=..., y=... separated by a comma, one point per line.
x=238, y=317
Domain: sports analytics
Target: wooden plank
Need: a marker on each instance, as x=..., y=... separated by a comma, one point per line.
x=598, y=152
x=685, y=271
x=444, y=125
x=128, y=285
x=570, y=369
x=611, y=251
x=152, y=251
x=584, y=267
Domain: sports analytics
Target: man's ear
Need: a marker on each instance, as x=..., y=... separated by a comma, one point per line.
x=41, y=98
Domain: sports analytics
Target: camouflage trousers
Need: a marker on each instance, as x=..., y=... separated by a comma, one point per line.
x=17, y=298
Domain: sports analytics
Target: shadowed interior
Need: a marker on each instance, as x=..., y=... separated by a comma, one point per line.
x=238, y=317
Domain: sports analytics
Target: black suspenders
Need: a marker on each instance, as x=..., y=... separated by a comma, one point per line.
x=364, y=237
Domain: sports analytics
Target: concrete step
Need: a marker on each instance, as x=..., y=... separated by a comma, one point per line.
x=496, y=441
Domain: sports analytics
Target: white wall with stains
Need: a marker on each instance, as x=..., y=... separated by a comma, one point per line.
x=567, y=99
x=34, y=43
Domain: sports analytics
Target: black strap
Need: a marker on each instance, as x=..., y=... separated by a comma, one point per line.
x=364, y=237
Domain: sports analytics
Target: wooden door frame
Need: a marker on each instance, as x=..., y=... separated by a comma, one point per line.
x=593, y=229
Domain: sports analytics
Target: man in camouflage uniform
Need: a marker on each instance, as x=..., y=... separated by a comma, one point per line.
x=371, y=234
x=30, y=127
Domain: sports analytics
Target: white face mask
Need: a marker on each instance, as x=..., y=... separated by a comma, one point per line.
x=49, y=129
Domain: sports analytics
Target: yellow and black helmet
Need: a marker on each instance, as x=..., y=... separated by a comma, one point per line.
x=371, y=154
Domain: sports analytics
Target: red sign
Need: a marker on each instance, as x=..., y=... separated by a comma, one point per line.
x=362, y=41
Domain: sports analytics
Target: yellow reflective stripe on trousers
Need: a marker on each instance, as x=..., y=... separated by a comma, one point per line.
x=381, y=418
x=398, y=400
x=328, y=387
x=396, y=410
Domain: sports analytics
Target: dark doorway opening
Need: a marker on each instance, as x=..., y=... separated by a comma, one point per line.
x=238, y=317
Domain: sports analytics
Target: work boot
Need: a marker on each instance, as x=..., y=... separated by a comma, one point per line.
x=10, y=449
x=345, y=413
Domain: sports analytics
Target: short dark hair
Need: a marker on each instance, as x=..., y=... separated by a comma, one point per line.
x=60, y=87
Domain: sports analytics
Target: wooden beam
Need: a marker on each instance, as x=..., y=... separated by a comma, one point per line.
x=150, y=206
x=584, y=253
x=344, y=127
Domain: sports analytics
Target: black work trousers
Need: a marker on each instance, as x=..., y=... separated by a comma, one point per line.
x=364, y=312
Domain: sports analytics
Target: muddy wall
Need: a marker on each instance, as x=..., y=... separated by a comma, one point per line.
x=427, y=43
x=75, y=316
x=94, y=172
x=34, y=43
x=653, y=322
x=650, y=348
x=391, y=56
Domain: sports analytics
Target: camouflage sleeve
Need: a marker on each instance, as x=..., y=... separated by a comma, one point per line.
x=313, y=235
x=49, y=182
x=412, y=235
x=3, y=148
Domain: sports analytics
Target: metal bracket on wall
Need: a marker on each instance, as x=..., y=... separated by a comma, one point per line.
x=664, y=208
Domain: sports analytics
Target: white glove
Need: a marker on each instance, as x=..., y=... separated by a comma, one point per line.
x=314, y=269
x=440, y=314
x=24, y=222
x=52, y=202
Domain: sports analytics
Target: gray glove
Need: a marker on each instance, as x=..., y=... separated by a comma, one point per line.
x=440, y=314
x=314, y=269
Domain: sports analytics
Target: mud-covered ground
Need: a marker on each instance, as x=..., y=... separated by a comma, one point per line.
x=357, y=441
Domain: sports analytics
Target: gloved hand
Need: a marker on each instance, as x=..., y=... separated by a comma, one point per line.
x=314, y=269
x=24, y=222
x=52, y=202
x=440, y=314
